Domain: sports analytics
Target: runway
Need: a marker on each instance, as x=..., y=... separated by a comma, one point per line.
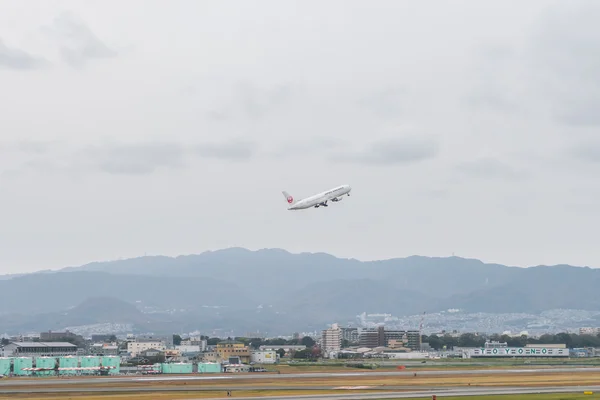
x=441, y=382
x=193, y=388
x=388, y=393
x=426, y=394
x=256, y=376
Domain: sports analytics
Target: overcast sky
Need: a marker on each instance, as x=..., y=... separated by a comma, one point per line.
x=171, y=127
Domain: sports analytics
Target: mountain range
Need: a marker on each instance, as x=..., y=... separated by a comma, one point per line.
x=275, y=291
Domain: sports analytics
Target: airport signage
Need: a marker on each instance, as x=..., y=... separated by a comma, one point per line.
x=519, y=352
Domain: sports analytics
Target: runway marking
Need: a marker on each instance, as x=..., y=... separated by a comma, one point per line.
x=353, y=387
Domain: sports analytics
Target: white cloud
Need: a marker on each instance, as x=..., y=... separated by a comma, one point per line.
x=477, y=117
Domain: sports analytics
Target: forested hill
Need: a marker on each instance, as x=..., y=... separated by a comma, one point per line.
x=274, y=290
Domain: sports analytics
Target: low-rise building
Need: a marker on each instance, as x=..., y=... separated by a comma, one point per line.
x=39, y=349
x=236, y=368
x=104, y=349
x=210, y=357
x=51, y=336
x=172, y=353
x=149, y=353
x=286, y=347
x=231, y=348
x=264, y=357
x=195, y=341
x=97, y=338
x=166, y=340
x=136, y=347
x=188, y=348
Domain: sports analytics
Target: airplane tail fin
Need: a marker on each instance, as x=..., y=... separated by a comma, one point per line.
x=289, y=198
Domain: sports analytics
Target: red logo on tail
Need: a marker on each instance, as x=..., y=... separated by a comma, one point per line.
x=290, y=199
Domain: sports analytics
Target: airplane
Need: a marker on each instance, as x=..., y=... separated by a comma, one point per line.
x=318, y=200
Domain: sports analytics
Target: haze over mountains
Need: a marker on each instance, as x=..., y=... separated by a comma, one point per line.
x=278, y=292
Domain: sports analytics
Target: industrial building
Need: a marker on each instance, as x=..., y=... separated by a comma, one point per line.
x=209, y=368
x=264, y=357
x=67, y=365
x=5, y=366
x=181, y=368
x=49, y=349
x=45, y=365
x=51, y=336
x=177, y=368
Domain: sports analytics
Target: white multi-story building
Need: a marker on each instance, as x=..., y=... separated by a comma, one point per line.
x=140, y=345
x=331, y=340
x=263, y=357
x=188, y=348
x=195, y=341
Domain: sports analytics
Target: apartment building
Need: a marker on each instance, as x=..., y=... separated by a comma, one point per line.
x=331, y=340
x=380, y=337
x=350, y=334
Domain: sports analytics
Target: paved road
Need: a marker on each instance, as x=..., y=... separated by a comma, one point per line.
x=255, y=376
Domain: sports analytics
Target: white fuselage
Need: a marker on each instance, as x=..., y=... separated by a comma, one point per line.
x=322, y=198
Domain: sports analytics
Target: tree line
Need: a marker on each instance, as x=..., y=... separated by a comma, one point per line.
x=444, y=342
